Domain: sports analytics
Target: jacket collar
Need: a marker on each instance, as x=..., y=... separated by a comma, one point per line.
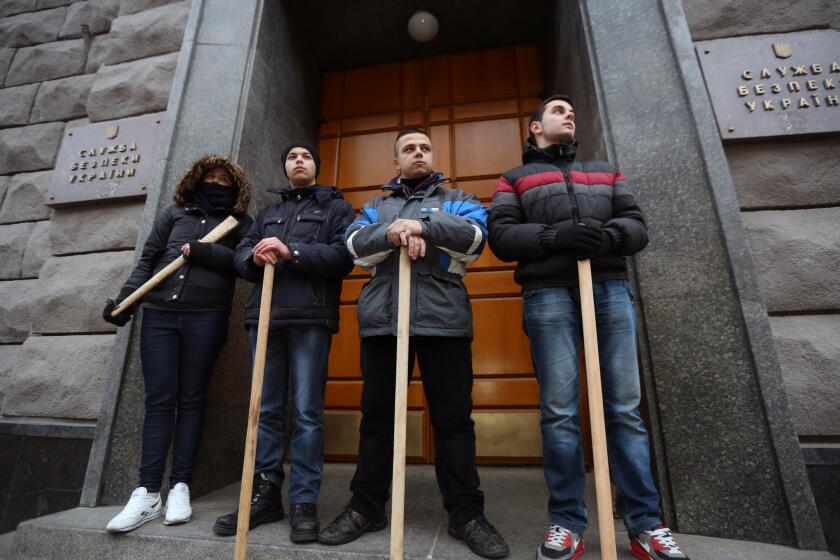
x=321, y=193
x=429, y=185
x=555, y=153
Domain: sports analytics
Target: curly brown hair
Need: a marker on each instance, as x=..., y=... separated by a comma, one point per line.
x=192, y=176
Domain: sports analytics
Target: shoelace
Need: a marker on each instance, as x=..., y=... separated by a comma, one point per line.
x=260, y=488
x=664, y=537
x=482, y=526
x=557, y=535
x=346, y=517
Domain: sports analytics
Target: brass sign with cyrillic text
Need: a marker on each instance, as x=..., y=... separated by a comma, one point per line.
x=108, y=160
x=774, y=85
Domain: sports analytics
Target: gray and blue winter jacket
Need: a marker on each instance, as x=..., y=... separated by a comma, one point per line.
x=455, y=229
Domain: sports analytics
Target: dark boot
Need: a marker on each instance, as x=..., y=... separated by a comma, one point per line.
x=482, y=538
x=303, y=519
x=349, y=526
x=266, y=506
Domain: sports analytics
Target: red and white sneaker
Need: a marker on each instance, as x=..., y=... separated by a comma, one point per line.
x=656, y=544
x=560, y=544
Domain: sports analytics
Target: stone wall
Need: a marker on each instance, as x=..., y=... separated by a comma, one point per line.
x=790, y=198
x=64, y=63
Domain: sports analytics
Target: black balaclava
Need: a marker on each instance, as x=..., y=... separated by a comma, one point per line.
x=208, y=196
x=308, y=147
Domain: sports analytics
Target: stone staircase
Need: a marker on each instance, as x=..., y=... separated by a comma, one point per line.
x=516, y=498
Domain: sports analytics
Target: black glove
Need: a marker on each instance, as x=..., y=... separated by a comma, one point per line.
x=581, y=239
x=606, y=246
x=200, y=252
x=123, y=317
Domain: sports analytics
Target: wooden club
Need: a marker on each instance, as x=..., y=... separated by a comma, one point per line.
x=606, y=529
x=228, y=225
x=244, y=518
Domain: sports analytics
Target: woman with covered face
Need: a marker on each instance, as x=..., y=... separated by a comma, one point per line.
x=185, y=322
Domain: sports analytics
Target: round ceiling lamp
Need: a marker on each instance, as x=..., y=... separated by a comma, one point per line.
x=422, y=26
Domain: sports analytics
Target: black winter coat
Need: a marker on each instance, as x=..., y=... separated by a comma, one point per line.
x=551, y=188
x=207, y=280
x=310, y=221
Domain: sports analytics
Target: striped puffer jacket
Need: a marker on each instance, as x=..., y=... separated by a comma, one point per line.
x=552, y=187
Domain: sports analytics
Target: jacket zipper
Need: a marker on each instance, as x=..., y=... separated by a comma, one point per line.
x=572, y=196
x=185, y=272
x=395, y=277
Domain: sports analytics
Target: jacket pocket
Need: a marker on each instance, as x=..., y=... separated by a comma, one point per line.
x=441, y=302
x=306, y=228
x=374, y=307
x=273, y=227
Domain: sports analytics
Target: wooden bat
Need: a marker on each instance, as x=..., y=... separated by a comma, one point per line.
x=214, y=235
x=606, y=529
x=400, y=407
x=243, y=521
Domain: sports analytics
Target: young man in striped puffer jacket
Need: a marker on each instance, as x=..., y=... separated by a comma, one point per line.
x=547, y=214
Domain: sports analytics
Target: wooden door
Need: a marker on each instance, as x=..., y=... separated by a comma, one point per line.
x=475, y=107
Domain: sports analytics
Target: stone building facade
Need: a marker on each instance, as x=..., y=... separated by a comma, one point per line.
x=70, y=386
x=64, y=64
x=790, y=205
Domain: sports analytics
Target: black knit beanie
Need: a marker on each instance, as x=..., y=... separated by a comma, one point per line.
x=309, y=147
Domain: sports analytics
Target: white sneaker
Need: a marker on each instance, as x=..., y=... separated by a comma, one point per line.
x=141, y=508
x=178, y=508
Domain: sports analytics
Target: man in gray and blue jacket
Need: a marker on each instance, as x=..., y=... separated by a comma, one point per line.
x=443, y=229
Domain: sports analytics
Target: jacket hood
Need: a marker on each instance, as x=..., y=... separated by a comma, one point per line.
x=192, y=176
x=322, y=193
x=553, y=153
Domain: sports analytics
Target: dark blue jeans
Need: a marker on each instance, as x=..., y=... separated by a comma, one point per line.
x=296, y=358
x=177, y=351
x=553, y=323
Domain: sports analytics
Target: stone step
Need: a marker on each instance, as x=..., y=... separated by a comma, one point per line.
x=516, y=498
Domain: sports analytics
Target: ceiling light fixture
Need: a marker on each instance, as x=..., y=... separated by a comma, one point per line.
x=422, y=26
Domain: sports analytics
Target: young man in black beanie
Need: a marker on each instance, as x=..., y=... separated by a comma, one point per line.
x=302, y=236
x=547, y=214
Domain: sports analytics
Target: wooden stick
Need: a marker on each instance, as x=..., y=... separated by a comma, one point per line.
x=214, y=235
x=606, y=529
x=400, y=406
x=244, y=518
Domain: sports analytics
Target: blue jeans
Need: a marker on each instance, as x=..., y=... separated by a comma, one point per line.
x=177, y=351
x=552, y=321
x=296, y=358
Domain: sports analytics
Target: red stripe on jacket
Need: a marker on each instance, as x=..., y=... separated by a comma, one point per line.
x=503, y=185
x=599, y=178
x=538, y=179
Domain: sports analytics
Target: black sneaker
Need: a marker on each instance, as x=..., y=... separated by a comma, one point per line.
x=348, y=526
x=303, y=519
x=481, y=537
x=266, y=506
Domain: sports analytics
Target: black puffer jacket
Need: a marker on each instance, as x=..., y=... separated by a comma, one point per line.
x=207, y=280
x=552, y=187
x=310, y=221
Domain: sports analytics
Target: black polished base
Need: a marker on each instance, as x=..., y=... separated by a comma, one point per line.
x=823, y=464
x=42, y=469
